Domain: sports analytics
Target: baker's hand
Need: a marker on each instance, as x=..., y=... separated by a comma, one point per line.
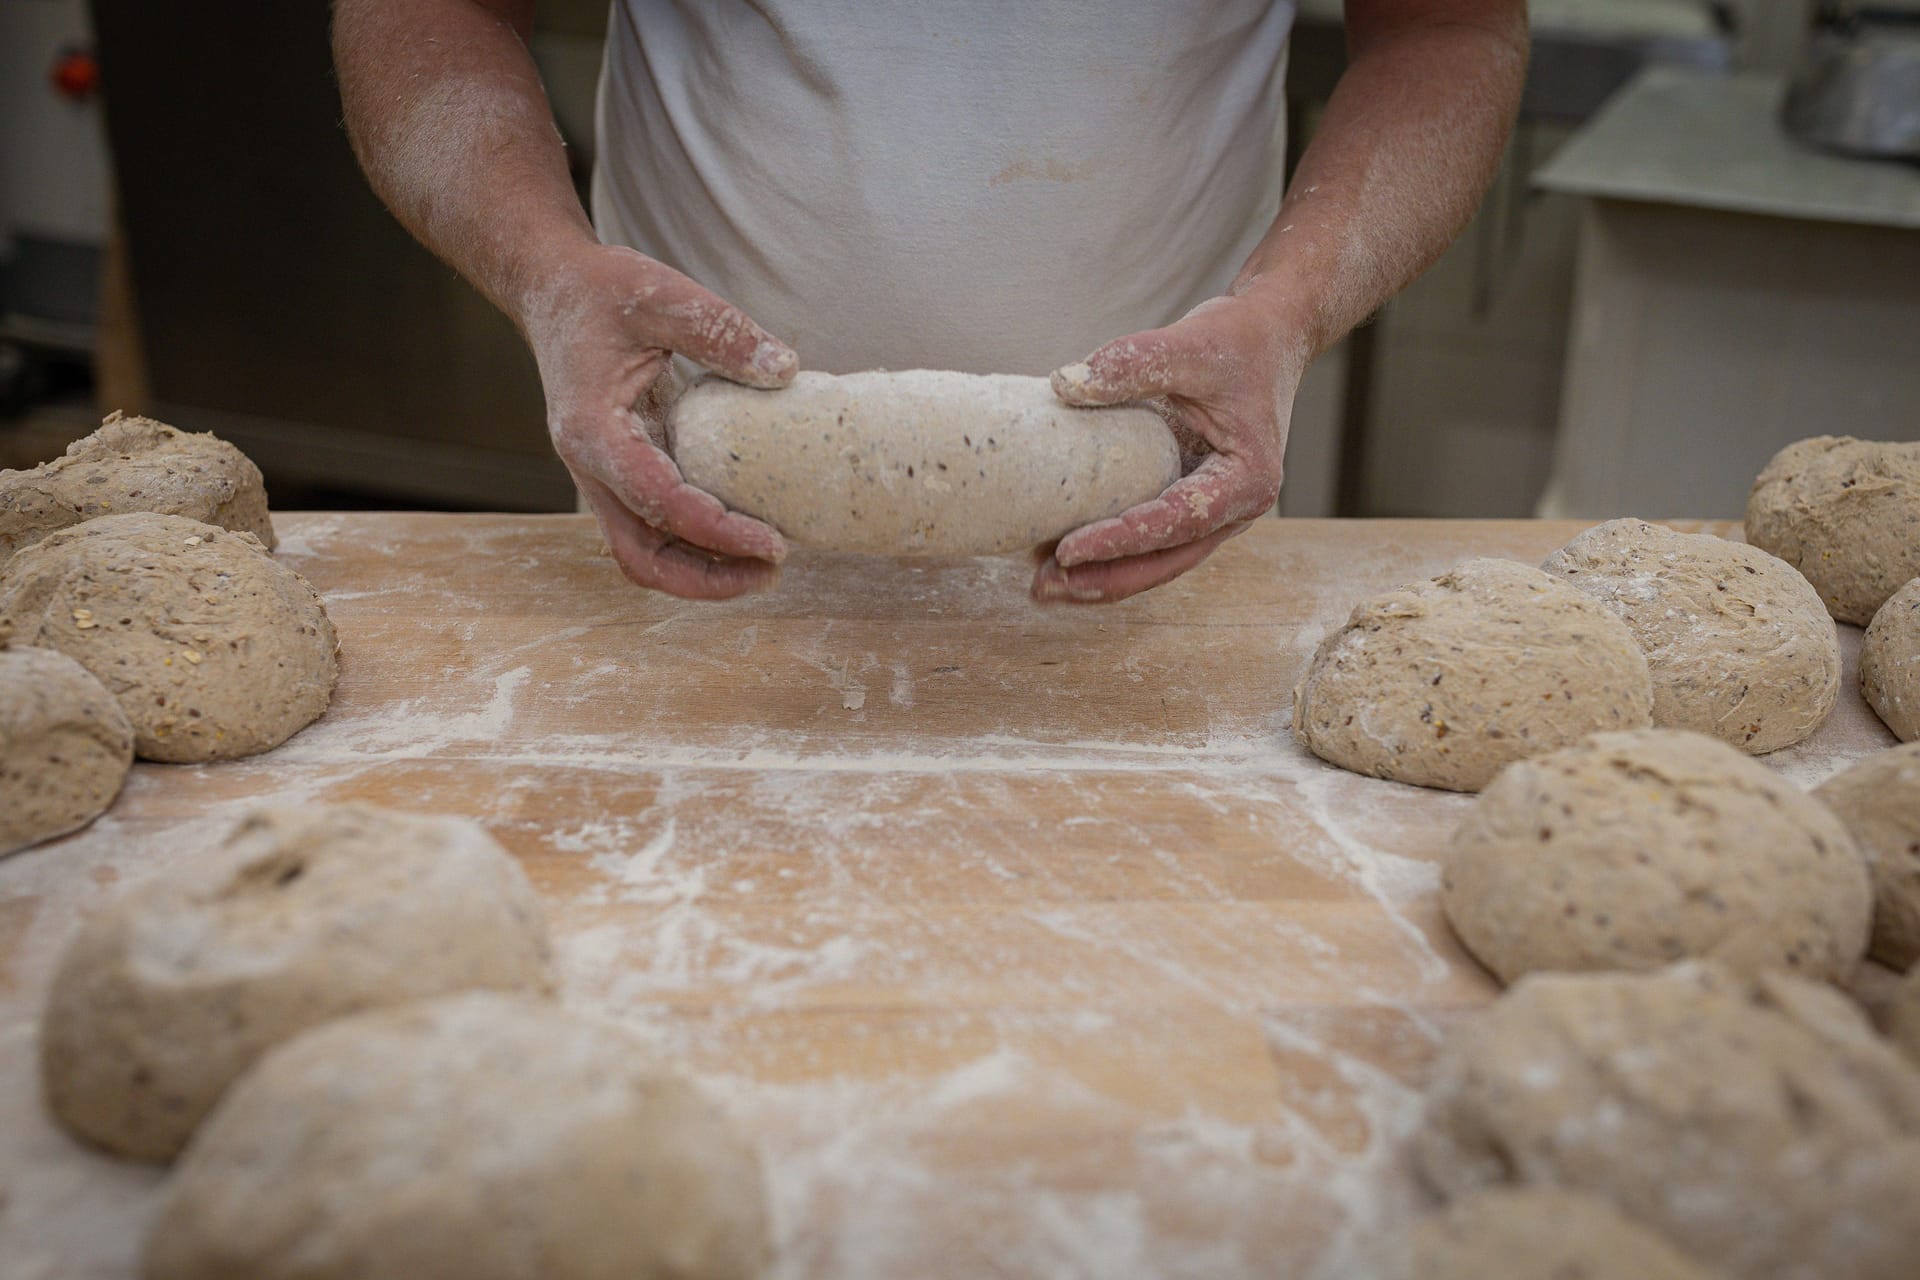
x=603, y=325
x=1227, y=371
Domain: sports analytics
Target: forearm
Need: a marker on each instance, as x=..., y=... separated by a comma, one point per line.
x=448, y=118
x=1408, y=144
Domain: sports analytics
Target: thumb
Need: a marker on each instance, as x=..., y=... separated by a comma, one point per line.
x=1156, y=362
x=694, y=322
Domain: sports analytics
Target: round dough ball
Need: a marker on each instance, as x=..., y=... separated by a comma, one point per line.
x=134, y=464
x=1758, y=1123
x=1634, y=850
x=471, y=1138
x=1524, y=1234
x=1890, y=662
x=1878, y=799
x=922, y=462
x=65, y=747
x=1844, y=512
x=1445, y=682
x=300, y=916
x=1739, y=644
x=1903, y=1018
x=214, y=649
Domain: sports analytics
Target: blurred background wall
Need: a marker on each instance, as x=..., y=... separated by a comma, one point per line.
x=183, y=232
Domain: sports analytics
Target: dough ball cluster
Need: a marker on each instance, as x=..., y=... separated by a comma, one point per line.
x=479, y=1137
x=1844, y=512
x=1531, y=1234
x=1445, y=682
x=1634, y=850
x=1878, y=799
x=65, y=746
x=1757, y=1123
x=214, y=649
x=1739, y=645
x=301, y=915
x=134, y=464
x=1890, y=662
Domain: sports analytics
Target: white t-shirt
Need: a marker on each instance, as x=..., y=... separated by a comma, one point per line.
x=985, y=185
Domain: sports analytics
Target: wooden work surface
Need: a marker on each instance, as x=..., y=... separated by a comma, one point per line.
x=1022, y=942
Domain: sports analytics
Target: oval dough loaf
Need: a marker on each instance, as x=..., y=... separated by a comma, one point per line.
x=1890, y=662
x=134, y=464
x=65, y=746
x=214, y=649
x=1634, y=850
x=1878, y=799
x=1844, y=512
x=1740, y=646
x=921, y=462
x=301, y=915
x=1526, y=1234
x=1444, y=682
x=1760, y=1124
x=480, y=1137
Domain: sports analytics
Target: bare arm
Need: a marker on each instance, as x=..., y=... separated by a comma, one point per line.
x=1409, y=142
x=449, y=120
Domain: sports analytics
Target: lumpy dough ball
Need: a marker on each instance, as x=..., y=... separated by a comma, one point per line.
x=1740, y=646
x=214, y=650
x=1444, y=682
x=1844, y=512
x=301, y=915
x=1890, y=662
x=134, y=464
x=1878, y=799
x=65, y=746
x=1634, y=850
x=480, y=1137
x=1757, y=1123
x=1523, y=1234
x=1903, y=1019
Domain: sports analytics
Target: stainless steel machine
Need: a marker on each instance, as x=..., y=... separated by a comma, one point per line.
x=1857, y=90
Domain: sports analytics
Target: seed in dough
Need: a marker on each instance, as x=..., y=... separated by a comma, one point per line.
x=922, y=462
x=1445, y=682
x=1529, y=1234
x=300, y=916
x=1740, y=646
x=480, y=1137
x=1878, y=799
x=1844, y=512
x=1890, y=662
x=1759, y=1123
x=65, y=746
x=213, y=648
x=134, y=464
x=1634, y=850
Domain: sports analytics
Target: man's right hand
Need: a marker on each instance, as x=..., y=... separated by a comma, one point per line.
x=604, y=323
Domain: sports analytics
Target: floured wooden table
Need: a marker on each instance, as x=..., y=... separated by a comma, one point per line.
x=1022, y=941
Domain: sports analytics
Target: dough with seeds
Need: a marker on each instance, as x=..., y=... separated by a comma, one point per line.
x=1445, y=682
x=1878, y=799
x=65, y=746
x=301, y=915
x=480, y=1137
x=1890, y=662
x=134, y=464
x=214, y=649
x=1528, y=1234
x=922, y=462
x=1844, y=512
x=1740, y=646
x=1758, y=1123
x=1634, y=850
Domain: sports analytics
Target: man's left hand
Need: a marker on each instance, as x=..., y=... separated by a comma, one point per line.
x=1227, y=371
